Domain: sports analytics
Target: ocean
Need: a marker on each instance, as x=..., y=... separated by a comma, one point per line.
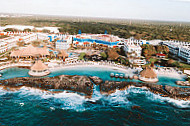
x=133, y=106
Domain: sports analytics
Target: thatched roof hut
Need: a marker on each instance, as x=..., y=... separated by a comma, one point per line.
x=30, y=51
x=39, y=66
x=39, y=69
x=148, y=72
x=63, y=54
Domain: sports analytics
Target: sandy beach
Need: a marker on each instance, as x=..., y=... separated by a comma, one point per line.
x=95, y=66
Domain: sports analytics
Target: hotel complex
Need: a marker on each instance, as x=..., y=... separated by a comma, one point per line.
x=100, y=39
x=132, y=47
x=59, y=43
x=180, y=49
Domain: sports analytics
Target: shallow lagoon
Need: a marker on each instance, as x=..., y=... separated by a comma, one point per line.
x=103, y=73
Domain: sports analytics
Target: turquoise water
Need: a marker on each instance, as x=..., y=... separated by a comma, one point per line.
x=103, y=73
x=35, y=107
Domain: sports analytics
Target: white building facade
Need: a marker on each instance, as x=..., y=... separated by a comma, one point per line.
x=132, y=48
x=63, y=42
x=181, y=49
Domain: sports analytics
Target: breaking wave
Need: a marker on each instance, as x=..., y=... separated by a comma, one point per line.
x=73, y=101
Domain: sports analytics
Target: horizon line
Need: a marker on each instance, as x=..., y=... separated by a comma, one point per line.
x=96, y=17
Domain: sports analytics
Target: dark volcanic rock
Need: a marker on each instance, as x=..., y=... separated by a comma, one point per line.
x=84, y=85
x=177, y=92
x=74, y=83
x=166, y=91
x=111, y=86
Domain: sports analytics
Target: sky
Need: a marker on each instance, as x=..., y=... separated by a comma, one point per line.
x=167, y=10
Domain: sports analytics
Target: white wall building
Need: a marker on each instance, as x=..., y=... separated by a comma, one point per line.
x=132, y=48
x=63, y=42
x=10, y=42
x=138, y=62
x=181, y=49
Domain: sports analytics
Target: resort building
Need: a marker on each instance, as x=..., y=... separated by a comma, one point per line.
x=154, y=42
x=8, y=43
x=180, y=49
x=138, y=62
x=184, y=53
x=39, y=69
x=63, y=42
x=160, y=55
x=148, y=75
x=30, y=52
x=132, y=48
x=3, y=47
x=100, y=39
x=16, y=37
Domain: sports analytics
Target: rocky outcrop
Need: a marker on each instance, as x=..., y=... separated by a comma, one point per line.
x=96, y=80
x=84, y=85
x=165, y=91
x=74, y=83
x=183, y=83
x=177, y=92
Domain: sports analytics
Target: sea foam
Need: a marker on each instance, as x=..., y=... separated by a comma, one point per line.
x=73, y=101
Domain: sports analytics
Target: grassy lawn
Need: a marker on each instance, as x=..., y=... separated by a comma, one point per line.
x=183, y=65
x=81, y=57
x=153, y=60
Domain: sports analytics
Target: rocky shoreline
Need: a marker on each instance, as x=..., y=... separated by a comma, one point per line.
x=84, y=84
x=76, y=83
x=183, y=83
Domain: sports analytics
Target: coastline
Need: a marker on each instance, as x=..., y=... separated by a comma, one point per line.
x=85, y=85
x=54, y=69
x=126, y=71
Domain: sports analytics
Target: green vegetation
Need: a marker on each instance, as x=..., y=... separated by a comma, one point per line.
x=3, y=36
x=123, y=28
x=11, y=30
x=174, y=63
x=104, y=55
x=45, y=31
x=183, y=65
x=36, y=43
x=188, y=79
x=149, y=50
x=153, y=60
x=82, y=55
x=27, y=30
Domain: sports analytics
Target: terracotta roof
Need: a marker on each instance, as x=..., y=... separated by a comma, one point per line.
x=39, y=66
x=159, y=54
x=148, y=72
x=15, y=53
x=113, y=55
